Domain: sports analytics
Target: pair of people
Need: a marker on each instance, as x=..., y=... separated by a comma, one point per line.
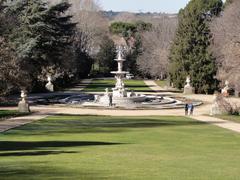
x=189, y=107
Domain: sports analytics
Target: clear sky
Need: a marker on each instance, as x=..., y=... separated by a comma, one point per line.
x=168, y=6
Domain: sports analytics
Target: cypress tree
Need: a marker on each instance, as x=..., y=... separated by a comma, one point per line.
x=190, y=53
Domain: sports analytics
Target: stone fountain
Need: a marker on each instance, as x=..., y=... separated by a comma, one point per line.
x=119, y=90
x=120, y=95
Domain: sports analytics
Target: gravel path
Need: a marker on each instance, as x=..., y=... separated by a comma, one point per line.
x=11, y=123
x=45, y=111
x=219, y=122
x=79, y=87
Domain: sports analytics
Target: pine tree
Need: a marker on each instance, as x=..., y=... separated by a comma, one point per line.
x=190, y=53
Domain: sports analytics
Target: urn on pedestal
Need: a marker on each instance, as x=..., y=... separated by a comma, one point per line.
x=49, y=86
x=23, y=105
x=188, y=89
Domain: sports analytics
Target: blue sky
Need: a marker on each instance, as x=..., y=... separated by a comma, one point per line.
x=169, y=6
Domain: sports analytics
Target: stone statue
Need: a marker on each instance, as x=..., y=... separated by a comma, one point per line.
x=49, y=86
x=23, y=105
x=225, y=90
x=188, y=89
x=119, y=52
x=106, y=91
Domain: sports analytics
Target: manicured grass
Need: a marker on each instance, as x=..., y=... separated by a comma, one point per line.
x=99, y=85
x=230, y=118
x=161, y=83
x=102, y=147
x=9, y=113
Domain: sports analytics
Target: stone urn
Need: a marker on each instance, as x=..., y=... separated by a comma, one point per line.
x=49, y=86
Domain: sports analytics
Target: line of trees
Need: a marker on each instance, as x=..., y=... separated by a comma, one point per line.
x=206, y=46
x=39, y=38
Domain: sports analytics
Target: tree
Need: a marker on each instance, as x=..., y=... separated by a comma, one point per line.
x=190, y=53
x=131, y=32
x=91, y=29
x=156, y=48
x=106, y=56
x=41, y=36
x=226, y=45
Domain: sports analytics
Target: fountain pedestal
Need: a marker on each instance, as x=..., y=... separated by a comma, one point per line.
x=119, y=90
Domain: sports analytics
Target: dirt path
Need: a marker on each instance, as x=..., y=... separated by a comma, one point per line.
x=11, y=123
x=151, y=84
x=44, y=111
x=219, y=122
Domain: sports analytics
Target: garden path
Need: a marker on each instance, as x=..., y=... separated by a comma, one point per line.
x=44, y=111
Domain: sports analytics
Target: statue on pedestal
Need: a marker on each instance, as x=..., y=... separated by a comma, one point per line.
x=225, y=90
x=49, y=86
x=23, y=105
x=188, y=89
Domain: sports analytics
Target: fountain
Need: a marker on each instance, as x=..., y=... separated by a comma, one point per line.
x=120, y=96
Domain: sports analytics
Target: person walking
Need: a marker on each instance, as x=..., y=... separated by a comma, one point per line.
x=190, y=109
x=110, y=99
x=186, y=109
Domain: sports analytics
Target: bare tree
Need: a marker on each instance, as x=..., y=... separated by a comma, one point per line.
x=92, y=26
x=226, y=45
x=126, y=17
x=156, y=44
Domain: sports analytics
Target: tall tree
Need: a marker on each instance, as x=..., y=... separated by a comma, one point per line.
x=106, y=56
x=42, y=34
x=190, y=53
x=226, y=46
x=156, y=48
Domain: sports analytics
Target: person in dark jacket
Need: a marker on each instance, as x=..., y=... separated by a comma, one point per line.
x=186, y=109
x=110, y=99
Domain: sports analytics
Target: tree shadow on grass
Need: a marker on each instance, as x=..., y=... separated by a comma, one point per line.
x=42, y=170
x=36, y=153
x=96, y=124
x=35, y=145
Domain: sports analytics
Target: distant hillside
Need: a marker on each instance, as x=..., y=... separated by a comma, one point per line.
x=113, y=15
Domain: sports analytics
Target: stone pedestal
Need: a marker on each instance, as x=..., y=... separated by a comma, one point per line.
x=23, y=105
x=188, y=90
x=218, y=106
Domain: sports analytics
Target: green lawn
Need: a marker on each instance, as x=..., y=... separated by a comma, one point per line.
x=99, y=85
x=230, y=118
x=102, y=147
x=9, y=113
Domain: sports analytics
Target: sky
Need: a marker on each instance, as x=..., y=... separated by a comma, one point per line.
x=167, y=6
